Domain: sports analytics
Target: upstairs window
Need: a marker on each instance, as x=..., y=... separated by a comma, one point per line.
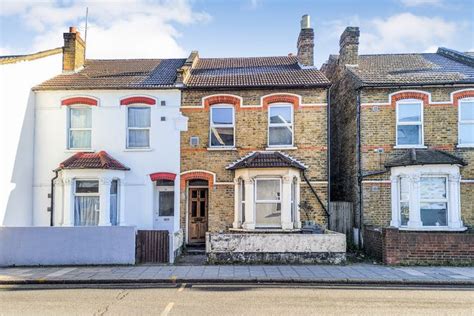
x=280, y=125
x=222, y=127
x=80, y=128
x=466, y=122
x=138, y=130
x=409, y=123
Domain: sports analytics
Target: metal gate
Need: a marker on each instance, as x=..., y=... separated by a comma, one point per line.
x=152, y=246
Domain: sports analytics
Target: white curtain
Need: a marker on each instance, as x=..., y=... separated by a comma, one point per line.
x=86, y=211
x=138, y=122
x=80, y=121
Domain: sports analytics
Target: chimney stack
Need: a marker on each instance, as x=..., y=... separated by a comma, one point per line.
x=305, y=43
x=349, y=46
x=73, y=51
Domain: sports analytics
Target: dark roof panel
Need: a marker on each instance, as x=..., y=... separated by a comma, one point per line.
x=400, y=69
x=266, y=159
x=253, y=72
x=118, y=74
x=425, y=157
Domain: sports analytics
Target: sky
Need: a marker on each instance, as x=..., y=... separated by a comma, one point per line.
x=232, y=28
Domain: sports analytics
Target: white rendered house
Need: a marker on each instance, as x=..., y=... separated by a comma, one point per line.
x=107, y=143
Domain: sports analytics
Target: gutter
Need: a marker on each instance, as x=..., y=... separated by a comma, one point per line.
x=51, y=209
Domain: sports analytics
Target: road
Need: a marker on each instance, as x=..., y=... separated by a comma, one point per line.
x=182, y=299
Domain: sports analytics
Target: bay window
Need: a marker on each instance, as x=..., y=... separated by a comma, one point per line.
x=409, y=123
x=86, y=203
x=80, y=128
x=466, y=122
x=280, y=125
x=138, y=129
x=268, y=202
x=222, y=126
x=114, y=214
x=426, y=197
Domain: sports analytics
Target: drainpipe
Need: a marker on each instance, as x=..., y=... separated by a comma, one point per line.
x=328, y=135
x=51, y=208
x=359, y=163
x=316, y=195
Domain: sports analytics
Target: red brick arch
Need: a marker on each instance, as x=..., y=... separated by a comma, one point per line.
x=283, y=98
x=409, y=95
x=197, y=175
x=222, y=99
x=79, y=100
x=461, y=95
x=138, y=99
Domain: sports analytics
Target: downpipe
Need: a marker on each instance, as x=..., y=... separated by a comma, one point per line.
x=51, y=208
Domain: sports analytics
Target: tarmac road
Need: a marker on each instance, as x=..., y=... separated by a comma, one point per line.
x=200, y=299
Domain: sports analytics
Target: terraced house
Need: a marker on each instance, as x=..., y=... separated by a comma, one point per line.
x=256, y=142
x=402, y=143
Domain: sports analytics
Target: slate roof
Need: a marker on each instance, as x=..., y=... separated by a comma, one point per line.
x=118, y=74
x=280, y=71
x=266, y=159
x=404, y=69
x=99, y=160
x=425, y=157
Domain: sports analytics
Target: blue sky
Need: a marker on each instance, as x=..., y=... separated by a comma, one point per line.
x=156, y=29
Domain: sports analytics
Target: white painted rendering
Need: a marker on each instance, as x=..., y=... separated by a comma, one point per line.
x=32, y=246
x=109, y=128
x=16, y=135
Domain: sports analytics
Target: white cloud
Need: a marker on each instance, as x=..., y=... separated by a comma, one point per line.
x=117, y=28
x=407, y=32
x=416, y=3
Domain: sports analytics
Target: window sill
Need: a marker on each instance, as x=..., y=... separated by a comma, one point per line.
x=434, y=229
x=137, y=149
x=220, y=148
x=79, y=151
x=465, y=146
x=281, y=148
x=410, y=146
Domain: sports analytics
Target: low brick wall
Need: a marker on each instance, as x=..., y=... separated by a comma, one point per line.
x=373, y=242
x=394, y=246
x=248, y=247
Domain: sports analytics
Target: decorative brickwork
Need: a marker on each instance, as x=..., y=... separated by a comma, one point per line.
x=79, y=100
x=461, y=95
x=284, y=98
x=138, y=99
x=196, y=175
x=222, y=99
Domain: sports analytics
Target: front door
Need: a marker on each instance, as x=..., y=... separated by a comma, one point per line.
x=198, y=206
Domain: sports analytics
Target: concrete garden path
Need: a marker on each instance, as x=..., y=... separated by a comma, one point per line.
x=348, y=274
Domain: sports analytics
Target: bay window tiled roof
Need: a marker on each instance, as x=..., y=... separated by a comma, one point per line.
x=425, y=157
x=266, y=159
x=85, y=160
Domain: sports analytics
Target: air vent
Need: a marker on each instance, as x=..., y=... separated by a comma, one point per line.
x=194, y=141
x=163, y=118
x=163, y=103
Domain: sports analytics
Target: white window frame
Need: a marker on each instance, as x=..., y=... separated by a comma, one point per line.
x=212, y=125
x=87, y=194
x=139, y=106
x=400, y=201
x=414, y=175
x=463, y=122
x=445, y=200
x=165, y=188
x=281, y=105
x=118, y=200
x=241, y=200
x=70, y=129
x=257, y=201
x=418, y=123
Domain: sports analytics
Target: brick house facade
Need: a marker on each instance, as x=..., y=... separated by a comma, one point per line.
x=252, y=92
x=403, y=150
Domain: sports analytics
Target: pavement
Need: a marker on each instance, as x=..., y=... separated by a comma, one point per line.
x=310, y=274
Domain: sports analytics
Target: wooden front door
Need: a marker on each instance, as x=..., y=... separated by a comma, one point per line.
x=198, y=207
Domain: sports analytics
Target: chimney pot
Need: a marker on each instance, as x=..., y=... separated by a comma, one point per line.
x=72, y=29
x=74, y=50
x=305, y=22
